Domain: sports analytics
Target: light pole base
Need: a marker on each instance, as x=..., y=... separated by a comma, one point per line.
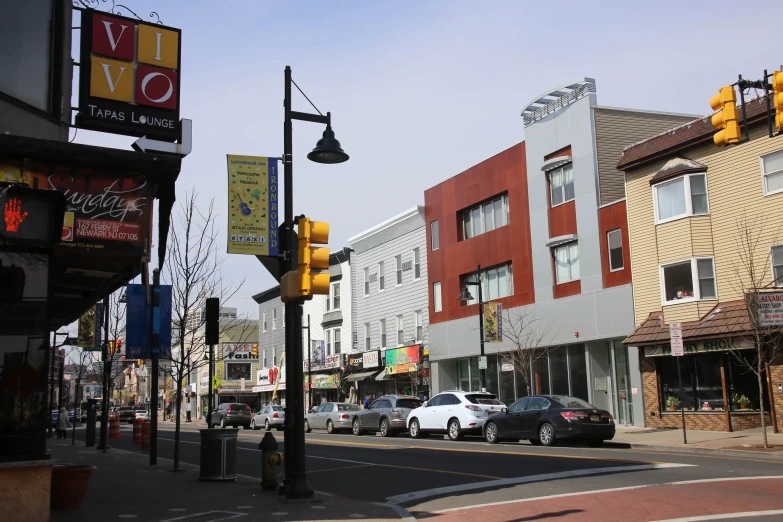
x=298, y=488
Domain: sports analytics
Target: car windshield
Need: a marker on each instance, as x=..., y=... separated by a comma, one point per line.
x=277, y=408
x=348, y=407
x=573, y=402
x=408, y=403
x=483, y=398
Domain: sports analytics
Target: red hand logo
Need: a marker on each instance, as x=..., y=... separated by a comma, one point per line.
x=13, y=215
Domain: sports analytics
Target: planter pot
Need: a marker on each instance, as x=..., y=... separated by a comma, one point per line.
x=69, y=485
x=744, y=407
x=672, y=408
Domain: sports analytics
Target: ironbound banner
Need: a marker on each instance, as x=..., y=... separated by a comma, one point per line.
x=252, y=206
x=493, y=323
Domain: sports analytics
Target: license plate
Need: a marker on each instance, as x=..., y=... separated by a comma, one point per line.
x=595, y=418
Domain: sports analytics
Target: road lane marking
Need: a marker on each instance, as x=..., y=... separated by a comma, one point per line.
x=418, y=495
x=358, y=444
x=528, y=454
x=725, y=516
x=403, y=467
x=401, y=511
x=340, y=468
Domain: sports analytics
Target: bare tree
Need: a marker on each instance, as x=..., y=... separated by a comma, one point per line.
x=82, y=362
x=528, y=340
x=116, y=330
x=194, y=273
x=752, y=279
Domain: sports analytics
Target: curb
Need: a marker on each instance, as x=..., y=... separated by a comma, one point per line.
x=698, y=451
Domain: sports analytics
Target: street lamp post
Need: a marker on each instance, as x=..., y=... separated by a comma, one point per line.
x=328, y=151
x=466, y=296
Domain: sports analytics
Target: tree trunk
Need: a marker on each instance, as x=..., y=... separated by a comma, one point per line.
x=73, y=428
x=176, y=422
x=759, y=375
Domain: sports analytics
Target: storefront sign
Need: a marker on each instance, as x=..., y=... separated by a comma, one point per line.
x=129, y=76
x=324, y=381
x=482, y=362
x=408, y=354
x=506, y=367
x=675, y=338
x=355, y=361
x=240, y=351
x=711, y=345
x=329, y=361
x=371, y=359
x=401, y=368
x=493, y=323
x=770, y=309
x=252, y=205
x=270, y=376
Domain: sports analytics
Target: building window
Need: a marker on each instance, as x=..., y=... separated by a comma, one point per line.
x=337, y=336
x=485, y=217
x=416, y=264
x=777, y=265
x=366, y=336
x=567, y=263
x=383, y=333
x=419, y=325
x=772, y=172
x=265, y=365
x=274, y=318
x=336, y=296
x=328, y=335
x=614, y=239
x=561, y=185
x=496, y=282
x=381, y=277
x=685, y=196
x=688, y=280
x=329, y=300
x=437, y=305
x=434, y=235
x=398, y=261
x=366, y=282
x=282, y=312
x=400, y=331
x=264, y=322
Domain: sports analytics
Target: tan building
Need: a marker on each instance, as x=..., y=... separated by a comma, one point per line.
x=691, y=208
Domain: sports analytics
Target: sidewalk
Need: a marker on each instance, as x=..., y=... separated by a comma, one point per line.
x=124, y=486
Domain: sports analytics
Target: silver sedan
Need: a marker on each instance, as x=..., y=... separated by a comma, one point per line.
x=268, y=417
x=331, y=416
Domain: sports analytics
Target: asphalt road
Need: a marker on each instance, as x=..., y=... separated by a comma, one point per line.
x=429, y=476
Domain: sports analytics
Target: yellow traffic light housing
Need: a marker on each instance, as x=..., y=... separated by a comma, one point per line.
x=254, y=350
x=777, y=98
x=726, y=119
x=303, y=282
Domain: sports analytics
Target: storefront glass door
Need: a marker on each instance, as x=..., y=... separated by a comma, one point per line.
x=622, y=383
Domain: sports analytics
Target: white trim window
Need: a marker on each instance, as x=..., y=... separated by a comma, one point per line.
x=419, y=317
x=400, y=331
x=777, y=265
x=366, y=336
x=282, y=313
x=496, y=282
x=561, y=185
x=263, y=352
x=335, y=296
x=485, y=217
x=274, y=318
x=328, y=336
x=434, y=235
x=366, y=282
x=437, y=303
x=398, y=262
x=614, y=245
x=772, y=172
x=681, y=197
x=566, y=263
x=337, y=338
x=263, y=325
x=329, y=299
x=688, y=280
x=416, y=264
x=383, y=333
x=381, y=277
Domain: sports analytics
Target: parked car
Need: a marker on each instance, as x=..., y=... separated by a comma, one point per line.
x=126, y=414
x=331, y=416
x=269, y=416
x=387, y=415
x=455, y=413
x=231, y=414
x=141, y=414
x=543, y=419
x=80, y=415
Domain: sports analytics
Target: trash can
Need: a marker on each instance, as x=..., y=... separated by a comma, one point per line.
x=218, y=454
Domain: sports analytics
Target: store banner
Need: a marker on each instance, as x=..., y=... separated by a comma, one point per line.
x=401, y=368
x=493, y=323
x=239, y=351
x=770, y=309
x=253, y=205
x=371, y=359
x=323, y=381
x=402, y=360
x=270, y=376
x=86, y=329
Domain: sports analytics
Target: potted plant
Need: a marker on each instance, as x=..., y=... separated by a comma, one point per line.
x=69, y=485
x=672, y=402
x=742, y=401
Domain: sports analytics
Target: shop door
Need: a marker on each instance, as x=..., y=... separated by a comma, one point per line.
x=601, y=380
x=622, y=390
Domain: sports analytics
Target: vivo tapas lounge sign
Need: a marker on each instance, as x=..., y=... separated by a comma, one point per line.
x=129, y=77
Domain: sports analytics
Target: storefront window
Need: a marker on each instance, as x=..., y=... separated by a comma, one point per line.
x=742, y=382
x=463, y=375
x=669, y=381
x=507, y=386
x=541, y=373
x=236, y=371
x=522, y=387
x=492, y=374
x=576, y=359
x=475, y=375
x=558, y=364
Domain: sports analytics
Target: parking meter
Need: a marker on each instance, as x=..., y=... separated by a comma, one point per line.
x=92, y=415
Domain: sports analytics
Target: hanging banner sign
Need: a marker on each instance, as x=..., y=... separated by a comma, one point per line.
x=770, y=309
x=252, y=206
x=139, y=330
x=323, y=381
x=493, y=323
x=401, y=368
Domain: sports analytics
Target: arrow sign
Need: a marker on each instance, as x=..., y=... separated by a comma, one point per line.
x=183, y=148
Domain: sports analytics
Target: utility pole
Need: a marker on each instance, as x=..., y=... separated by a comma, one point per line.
x=309, y=367
x=104, y=445
x=155, y=344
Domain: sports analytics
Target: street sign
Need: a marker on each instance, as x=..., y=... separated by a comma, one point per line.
x=482, y=361
x=675, y=335
x=215, y=383
x=183, y=148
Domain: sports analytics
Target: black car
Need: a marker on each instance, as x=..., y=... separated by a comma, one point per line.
x=544, y=419
x=387, y=415
x=234, y=414
x=126, y=414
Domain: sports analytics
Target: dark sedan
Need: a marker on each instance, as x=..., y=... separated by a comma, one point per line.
x=231, y=414
x=386, y=415
x=544, y=419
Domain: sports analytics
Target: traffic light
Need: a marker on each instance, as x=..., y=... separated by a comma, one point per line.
x=115, y=346
x=140, y=362
x=777, y=98
x=254, y=351
x=725, y=102
x=303, y=282
x=31, y=216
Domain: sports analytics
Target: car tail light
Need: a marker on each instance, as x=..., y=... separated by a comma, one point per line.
x=228, y=409
x=275, y=415
x=572, y=416
x=607, y=416
x=396, y=410
x=345, y=416
x=472, y=407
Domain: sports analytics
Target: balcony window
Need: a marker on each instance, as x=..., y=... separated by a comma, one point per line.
x=434, y=235
x=561, y=185
x=567, y=263
x=336, y=296
x=496, y=282
x=688, y=280
x=400, y=331
x=337, y=343
x=416, y=264
x=614, y=240
x=772, y=172
x=437, y=304
x=383, y=333
x=485, y=217
x=685, y=196
x=366, y=336
x=777, y=265
x=419, y=325
x=381, y=277
x=366, y=281
x=398, y=269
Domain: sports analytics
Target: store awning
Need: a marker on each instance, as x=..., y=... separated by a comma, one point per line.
x=381, y=376
x=360, y=376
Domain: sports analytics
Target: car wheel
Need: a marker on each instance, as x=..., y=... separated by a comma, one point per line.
x=534, y=442
x=491, y=433
x=266, y=424
x=455, y=432
x=385, y=431
x=307, y=427
x=414, y=429
x=223, y=423
x=546, y=434
x=595, y=443
x=357, y=427
x=329, y=427
x=253, y=425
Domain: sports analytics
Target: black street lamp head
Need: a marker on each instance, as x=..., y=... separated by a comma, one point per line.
x=328, y=149
x=465, y=295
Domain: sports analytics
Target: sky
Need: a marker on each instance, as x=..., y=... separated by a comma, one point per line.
x=421, y=91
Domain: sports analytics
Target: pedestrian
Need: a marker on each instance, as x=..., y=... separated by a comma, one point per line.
x=62, y=423
x=366, y=401
x=323, y=399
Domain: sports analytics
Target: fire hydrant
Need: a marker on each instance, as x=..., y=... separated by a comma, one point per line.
x=270, y=459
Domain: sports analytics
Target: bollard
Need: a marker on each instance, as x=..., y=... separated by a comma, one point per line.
x=114, y=428
x=145, y=435
x=270, y=459
x=137, y=430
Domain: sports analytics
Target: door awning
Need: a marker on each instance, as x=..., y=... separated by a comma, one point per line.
x=360, y=376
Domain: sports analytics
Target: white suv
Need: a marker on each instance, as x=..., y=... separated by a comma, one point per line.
x=453, y=412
